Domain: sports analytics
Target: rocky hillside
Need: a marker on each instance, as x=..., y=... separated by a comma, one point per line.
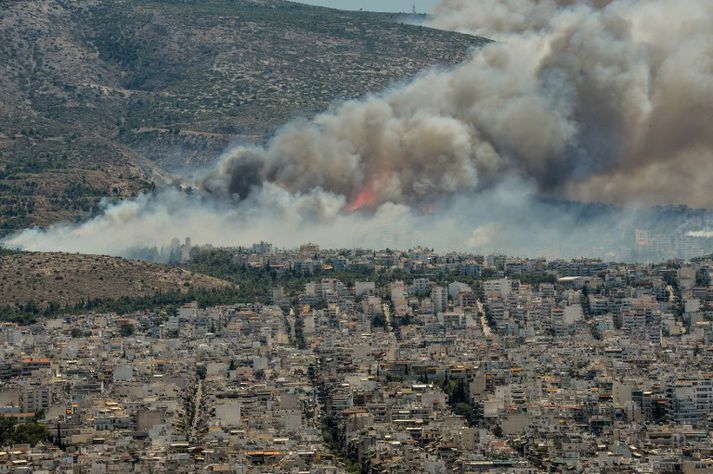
x=105, y=98
x=68, y=279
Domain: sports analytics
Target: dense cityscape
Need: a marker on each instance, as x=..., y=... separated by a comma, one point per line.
x=444, y=237
x=376, y=361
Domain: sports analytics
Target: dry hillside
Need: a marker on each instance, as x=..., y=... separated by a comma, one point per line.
x=104, y=98
x=68, y=279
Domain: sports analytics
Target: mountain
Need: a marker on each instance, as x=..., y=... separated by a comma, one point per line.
x=107, y=98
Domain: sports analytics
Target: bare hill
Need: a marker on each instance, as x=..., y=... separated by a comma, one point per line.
x=68, y=279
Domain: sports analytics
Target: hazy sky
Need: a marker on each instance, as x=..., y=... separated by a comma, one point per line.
x=422, y=6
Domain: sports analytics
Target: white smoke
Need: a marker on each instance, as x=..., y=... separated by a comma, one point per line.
x=506, y=219
x=586, y=100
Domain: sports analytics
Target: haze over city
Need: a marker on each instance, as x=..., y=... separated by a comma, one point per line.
x=249, y=236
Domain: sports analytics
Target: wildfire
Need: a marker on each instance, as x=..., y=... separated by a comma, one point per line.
x=366, y=198
x=428, y=208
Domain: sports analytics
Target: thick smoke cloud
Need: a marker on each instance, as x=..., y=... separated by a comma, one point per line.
x=499, y=19
x=632, y=78
x=601, y=101
x=597, y=100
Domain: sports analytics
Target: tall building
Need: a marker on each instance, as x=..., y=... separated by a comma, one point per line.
x=690, y=401
x=439, y=296
x=421, y=285
x=497, y=288
x=35, y=397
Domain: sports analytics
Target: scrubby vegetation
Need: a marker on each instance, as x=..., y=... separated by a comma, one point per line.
x=33, y=285
x=101, y=91
x=15, y=432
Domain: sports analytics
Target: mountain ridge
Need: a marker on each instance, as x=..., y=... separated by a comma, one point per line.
x=104, y=100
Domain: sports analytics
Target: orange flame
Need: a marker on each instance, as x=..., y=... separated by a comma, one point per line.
x=366, y=198
x=428, y=208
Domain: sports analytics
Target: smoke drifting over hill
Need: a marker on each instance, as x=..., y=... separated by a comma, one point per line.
x=582, y=100
x=591, y=102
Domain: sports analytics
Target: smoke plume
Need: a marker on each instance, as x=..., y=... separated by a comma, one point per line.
x=603, y=101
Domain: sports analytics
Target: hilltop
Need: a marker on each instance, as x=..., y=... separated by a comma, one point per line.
x=69, y=279
x=104, y=98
